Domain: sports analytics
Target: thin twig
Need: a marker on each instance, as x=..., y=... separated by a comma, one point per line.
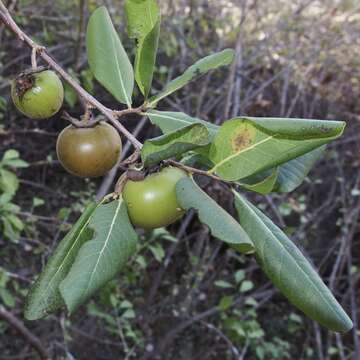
x=33, y=340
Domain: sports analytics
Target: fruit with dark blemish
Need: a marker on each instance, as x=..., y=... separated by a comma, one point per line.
x=38, y=95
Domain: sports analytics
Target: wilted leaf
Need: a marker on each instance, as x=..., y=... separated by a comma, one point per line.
x=222, y=225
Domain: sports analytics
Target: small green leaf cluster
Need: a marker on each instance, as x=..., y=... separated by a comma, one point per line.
x=11, y=225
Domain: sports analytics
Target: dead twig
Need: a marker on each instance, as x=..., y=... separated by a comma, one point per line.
x=19, y=326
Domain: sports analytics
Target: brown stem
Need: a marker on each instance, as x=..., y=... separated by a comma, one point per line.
x=6, y=18
x=19, y=326
x=193, y=170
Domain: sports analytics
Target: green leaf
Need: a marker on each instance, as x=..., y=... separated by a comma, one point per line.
x=9, y=182
x=239, y=276
x=99, y=259
x=10, y=155
x=210, y=62
x=70, y=95
x=169, y=121
x=17, y=163
x=289, y=270
x=293, y=173
x=157, y=251
x=38, y=202
x=107, y=58
x=7, y=297
x=9, y=231
x=246, y=285
x=225, y=302
x=263, y=186
x=143, y=24
x=223, y=284
x=246, y=146
x=174, y=143
x=44, y=295
x=16, y=223
x=284, y=179
x=12, y=158
x=221, y=224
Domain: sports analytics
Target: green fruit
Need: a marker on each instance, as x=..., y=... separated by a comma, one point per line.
x=38, y=95
x=88, y=152
x=152, y=202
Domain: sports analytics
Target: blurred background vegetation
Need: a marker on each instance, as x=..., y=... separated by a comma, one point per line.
x=185, y=295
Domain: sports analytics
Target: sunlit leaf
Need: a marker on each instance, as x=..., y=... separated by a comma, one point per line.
x=107, y=58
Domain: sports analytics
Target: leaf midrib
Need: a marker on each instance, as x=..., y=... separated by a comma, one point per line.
x=103, y=247
x=239, y=153
x=63, y=262
x=118, y=69
x=290, y=255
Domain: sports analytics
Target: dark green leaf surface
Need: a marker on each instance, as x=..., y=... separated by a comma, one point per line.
x=107, y=58
x=99, y=259
x=44, y=295
x=143, y=24
x=289, y=270
x=245, y=146
x=222, y=225
x=174, y=143
x=210, y=62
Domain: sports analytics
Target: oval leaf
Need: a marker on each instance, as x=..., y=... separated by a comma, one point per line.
x=289, y=270
x=99, y=259
x=174, y=143
x=169, y=121
x=143, y=24
x=245, y=146
x=107, y=58
x=222, y=225
x=210, y=62
x=44, y=295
